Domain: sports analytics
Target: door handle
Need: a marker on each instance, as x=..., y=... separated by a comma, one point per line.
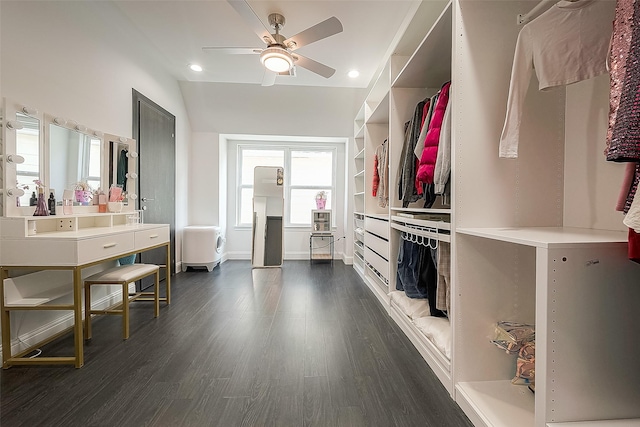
x=144, y=199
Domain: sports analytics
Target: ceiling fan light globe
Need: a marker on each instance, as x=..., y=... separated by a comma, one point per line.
x=276, y=59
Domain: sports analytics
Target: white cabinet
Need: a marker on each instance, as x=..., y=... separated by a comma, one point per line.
x=537, y=240
x=533, y=239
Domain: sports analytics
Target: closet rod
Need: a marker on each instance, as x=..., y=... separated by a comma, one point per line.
x=526, y=17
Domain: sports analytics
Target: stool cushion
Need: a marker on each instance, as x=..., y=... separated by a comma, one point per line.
x=124, y=273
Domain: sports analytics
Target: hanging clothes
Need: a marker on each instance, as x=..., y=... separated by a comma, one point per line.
x=429, y=105
x=443, y=295
x=623, y=133
x=442, y=169
x=625, y=188
x=123, y=167
x=634, y=246
x=430, y=152
x=566, y=44
x=407, y=190
x=382, y=171
x=376, y=175
x=417, y=274
x=634, y=188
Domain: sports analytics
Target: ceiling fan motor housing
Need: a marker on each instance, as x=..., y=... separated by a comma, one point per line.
x=276, y=20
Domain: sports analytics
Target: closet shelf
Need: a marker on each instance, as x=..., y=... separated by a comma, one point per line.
x=437, y=236
x=359, y=174
x=359, y=214
x=380, y=111
x=360, y=154
x=548, y=237
x=358, y=194
x=433, y=54
x=499, y=403
x=359, y=133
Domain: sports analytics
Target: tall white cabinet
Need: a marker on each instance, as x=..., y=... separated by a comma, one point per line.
x=534, y=239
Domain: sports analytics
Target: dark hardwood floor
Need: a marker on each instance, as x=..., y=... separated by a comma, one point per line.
x=300, y=345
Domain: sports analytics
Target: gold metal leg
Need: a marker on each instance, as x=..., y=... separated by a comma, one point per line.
x=5, y=318
x=87, y=311
x=77, y=314
x=168, y=272
x=156, y=295
x=125, y=310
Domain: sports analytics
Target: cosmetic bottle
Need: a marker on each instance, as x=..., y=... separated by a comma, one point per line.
x=52, y=204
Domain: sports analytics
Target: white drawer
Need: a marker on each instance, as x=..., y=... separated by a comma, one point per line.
x=379, y=263
x=377, y=226
x=98, y=248
x=379, y=245
x=153, y=237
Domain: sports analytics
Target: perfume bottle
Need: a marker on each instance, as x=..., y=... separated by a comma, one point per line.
x=52, y=204
x=41, y=205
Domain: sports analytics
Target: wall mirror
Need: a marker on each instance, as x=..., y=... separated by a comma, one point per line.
x=74, y=157
x=267, y=249
x=60, y=153
x=27, y=148
x=21, y=155
x=122, y=165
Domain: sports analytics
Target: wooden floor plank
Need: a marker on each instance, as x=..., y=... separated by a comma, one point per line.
x=305, y=344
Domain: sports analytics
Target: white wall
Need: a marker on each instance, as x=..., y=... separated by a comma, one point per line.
x=222, y=111
x=80, y=60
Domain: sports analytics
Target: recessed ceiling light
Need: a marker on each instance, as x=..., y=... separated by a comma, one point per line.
x=353, y=74
x=195, y=67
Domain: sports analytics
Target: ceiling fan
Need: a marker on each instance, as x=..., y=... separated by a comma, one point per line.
x=278, y=57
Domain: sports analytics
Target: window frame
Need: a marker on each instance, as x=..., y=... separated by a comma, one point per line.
x=287, y=149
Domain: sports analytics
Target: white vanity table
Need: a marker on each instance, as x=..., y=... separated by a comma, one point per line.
x=42, y=257
x=72, y=243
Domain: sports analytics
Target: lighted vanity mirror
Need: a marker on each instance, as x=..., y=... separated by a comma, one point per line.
x=74, y=157
x=119, y=166
x=27, y=148
x=122, y=166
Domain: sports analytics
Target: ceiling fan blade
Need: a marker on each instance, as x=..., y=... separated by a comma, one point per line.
x=244, y=10
x=232, y=50
x=319, y=31
x=269, y=78
x=314, y=66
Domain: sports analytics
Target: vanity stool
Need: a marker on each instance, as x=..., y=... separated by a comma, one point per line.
x=122, y=275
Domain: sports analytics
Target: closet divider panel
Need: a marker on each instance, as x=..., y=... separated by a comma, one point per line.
x=589, y=343
x=494, y=192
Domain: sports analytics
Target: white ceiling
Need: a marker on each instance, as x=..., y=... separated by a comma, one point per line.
x=178, y=29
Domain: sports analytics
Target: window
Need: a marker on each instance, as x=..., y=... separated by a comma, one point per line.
x=307, y=171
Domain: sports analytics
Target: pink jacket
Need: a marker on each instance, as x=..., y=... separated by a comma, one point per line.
x=430, y=152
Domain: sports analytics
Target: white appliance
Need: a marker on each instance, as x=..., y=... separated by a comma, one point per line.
x=202, y=246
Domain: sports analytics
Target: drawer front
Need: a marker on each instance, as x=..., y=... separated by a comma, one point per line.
x=155, y=236
x=377, y=226
x=379, y=263
x=379, y=245
x=98, y=248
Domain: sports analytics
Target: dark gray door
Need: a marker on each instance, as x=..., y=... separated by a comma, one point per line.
x=154, y=129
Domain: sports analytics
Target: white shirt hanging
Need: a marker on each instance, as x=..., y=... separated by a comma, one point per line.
x=566, y=44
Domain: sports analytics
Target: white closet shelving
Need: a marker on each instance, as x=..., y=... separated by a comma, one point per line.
x=534, y=239
x=537, y=240
x=420, y=65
